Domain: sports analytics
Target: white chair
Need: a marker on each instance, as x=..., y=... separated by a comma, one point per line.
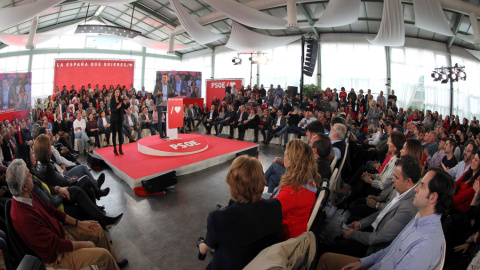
x=334, y=162
x=336, y=184
x=333, y=178
x=249, y=134
x=316, y=206
x=442, y=259
x=146, y=133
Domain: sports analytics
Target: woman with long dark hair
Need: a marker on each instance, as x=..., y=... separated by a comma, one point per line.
x=117, y=107
x=464, y=191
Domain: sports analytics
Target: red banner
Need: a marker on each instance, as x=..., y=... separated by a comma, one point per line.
x=175, y=112
x=81, y=72
x=216, y=88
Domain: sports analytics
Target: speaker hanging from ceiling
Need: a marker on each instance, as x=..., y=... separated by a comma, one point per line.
x=311, y=52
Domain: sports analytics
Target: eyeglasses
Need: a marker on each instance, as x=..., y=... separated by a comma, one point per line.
x=467, y=150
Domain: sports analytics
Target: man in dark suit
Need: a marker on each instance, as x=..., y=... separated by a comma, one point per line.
x=130, y=124
x=210, y=119
x=285, y=106
x=279, y=123
x=191, y=117
x=377, y=231
x=227, y=119
x=179, y=86
x=241, y=116
x=361, y=102
x=162, y=92
x=146, y=120
x=8, y=150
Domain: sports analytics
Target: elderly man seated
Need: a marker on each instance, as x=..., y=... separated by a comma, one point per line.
x=75, y=245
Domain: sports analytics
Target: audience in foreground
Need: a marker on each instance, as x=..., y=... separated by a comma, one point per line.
x=420, y=244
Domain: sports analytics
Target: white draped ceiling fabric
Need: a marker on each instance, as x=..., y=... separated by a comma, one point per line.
x=429, y=15
x=108, y=2
x=467, y=38
x=198, y=33
x=246, y=15
x=158, y=45
x=11, y=16
x=242, y=39
x=392, y=27
x=22, y=39
x=348, y=9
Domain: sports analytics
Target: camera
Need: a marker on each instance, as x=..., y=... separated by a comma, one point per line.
x=382, y=126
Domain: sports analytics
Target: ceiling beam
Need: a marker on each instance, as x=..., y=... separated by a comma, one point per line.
x=155, y=14
x=455, y=29
x=309, y=18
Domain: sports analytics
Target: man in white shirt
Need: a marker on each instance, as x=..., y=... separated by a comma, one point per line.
x=463, y=165
x=79, y=128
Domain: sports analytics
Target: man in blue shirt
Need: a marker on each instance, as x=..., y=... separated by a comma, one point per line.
x=279, y=91
x=421, y=242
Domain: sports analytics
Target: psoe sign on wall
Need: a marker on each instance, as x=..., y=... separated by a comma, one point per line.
x=187, y=144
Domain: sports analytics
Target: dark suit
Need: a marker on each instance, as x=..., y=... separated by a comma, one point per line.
x=116, y=118
x=210, y=119
x=183, y=88
x=229, y=117
x=238, y=123
x=102, y=129
x=192, y=115
x=285, y=107
x=7, y=151
x=159, y=97
x=271, y=131
x=126, y=126
x=146, y=125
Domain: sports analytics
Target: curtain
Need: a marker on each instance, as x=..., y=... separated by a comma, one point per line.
x=21, y=39
x=353, y=65
x=392, y=27
x=198, y=33
x=429, y=15
x=348, y=8
x=11, y=16
x=411, y=79
x=242, y=39
x=466, y=96
x=247, y=15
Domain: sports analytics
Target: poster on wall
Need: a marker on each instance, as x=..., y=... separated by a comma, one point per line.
x=216, y=88
x=81, y=72
x=15, y=95
x=186, y=84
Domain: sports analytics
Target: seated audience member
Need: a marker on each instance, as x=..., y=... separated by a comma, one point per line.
x=92, y=129
x=7, y=146
x=248, y=225
x=228, y=118
x=264, y=124
x=80, y=128
x=146, y=119
x=322, y=148
x=295, y=129
x=462, y=167
x=297, y=189
x=251, y=122
x=104, y=125
x=60, y=128
x=74, y=196
x=275, y=172
x=76, y=245
x=279, y=123
x=210, y=118
x=237, y=122
x=464, y=185
x=376, y=231
x=131, y=124
x=192, y=115
x=449, y=161
x=435, y=160
x=420, y=244
x=372, y=184
x=337, y=135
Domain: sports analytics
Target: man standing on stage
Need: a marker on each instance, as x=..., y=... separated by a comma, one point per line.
x=163, y=91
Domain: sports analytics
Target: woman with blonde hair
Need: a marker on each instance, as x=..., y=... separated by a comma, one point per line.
x=248, y=225
x=297, y=188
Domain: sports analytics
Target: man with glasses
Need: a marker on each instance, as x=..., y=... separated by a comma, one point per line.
x=463, y=165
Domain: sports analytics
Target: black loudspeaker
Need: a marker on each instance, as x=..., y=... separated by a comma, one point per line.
x=160, y=183
x=292, y=91
x=311, y=46
x=252, y=152
x=95, y=163
x=228, y=89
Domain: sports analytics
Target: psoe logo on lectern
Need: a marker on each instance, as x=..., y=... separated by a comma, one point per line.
x=191, y=143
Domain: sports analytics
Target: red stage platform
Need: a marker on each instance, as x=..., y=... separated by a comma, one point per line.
x=133, y=167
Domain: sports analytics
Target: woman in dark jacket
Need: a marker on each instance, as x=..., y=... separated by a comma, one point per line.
x=75, y=200
x=117, y=107
x=249, y=224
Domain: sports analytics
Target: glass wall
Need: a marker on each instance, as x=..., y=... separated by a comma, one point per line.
x=411, y=79
x=360, y=66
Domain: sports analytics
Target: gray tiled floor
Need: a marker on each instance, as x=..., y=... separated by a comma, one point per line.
x=159, y=232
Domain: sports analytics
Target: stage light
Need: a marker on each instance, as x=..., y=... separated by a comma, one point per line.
x=453, y=77
x=262, y=59
x=462, y=75
x=237, y=60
